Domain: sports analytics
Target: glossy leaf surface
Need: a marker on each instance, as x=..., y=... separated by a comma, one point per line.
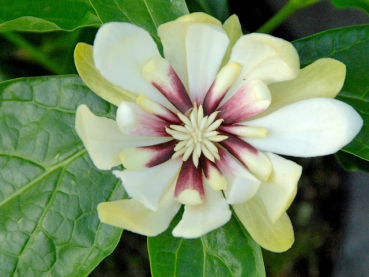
x=350, y=46
x=227, y=251
x=46, y=15
x=217, y=8
x=363, y=4
x=49, y=187
x=148, y=14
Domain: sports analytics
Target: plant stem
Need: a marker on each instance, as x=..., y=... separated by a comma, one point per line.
x=33, y=51
x=290, y=8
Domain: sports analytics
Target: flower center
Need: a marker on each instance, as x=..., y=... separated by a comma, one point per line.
x=197, y=135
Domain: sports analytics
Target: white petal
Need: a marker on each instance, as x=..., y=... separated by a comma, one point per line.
x=205, y=46
x=276, y=237
x=308, y=128
x=242, y=185
x=198, y=220
x=173, y=36
x=131, y=215
x=323, y=78
x=279, y=191
x=120, y=52
x=149, y=185
x=103, y=139
x=266, y=58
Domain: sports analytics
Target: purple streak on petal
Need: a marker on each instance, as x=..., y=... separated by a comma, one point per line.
x=163, y=152
x=212, y=100
x=176, y=93
x=240, y=106
x=237, y=147
x=230, y=129
x=190, y=177
x=169, y=116
x=207, y=166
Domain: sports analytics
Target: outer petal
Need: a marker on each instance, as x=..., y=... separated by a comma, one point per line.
x=120, y=52
x=173, y=36
x=148, y=186
x=277, y=237
x=133, y=216
x=205, y=48
x=279, y=191
x=323, y=78
x=95, y=81
x=232, y=27
x=242, y=185
x=308, y=128
x=266, y=58
x=103, y=139
x=198, y=220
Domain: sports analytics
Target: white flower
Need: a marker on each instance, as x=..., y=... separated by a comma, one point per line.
x=191, y=132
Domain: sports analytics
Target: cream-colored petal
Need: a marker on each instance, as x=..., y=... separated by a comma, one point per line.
x=120, y=52
x=173, y=37
x=197, y=220
x=275, y=237
x=149, y=185
x=95, y=81
x=103, y=139
x=323, y=78
x=278, y=192
x=308, y=128
x=131, y=215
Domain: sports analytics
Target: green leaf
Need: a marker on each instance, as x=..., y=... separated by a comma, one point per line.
x=227, y=251
x=46, y=15
x=49, y=187
x=217, y=8
x=148, y=14
x=363, y=4
x=352, y=163
x=350, y=46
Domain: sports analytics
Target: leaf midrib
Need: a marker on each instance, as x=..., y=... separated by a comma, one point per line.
x=64, y=163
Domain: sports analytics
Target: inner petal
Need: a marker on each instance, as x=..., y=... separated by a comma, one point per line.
x=162, y=76
x=132, y=120
x=252, y=98
x=255, y=161
x=189, y=188
x=140, y=158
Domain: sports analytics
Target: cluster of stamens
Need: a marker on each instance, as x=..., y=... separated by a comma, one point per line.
x=197, y=135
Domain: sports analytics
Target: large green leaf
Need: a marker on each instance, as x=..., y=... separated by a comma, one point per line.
x=49, y=189
x=349, y=45
x=46, y=15
x=363, y=4
x=227, y=251
x=148, y=14
x=217, y=8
